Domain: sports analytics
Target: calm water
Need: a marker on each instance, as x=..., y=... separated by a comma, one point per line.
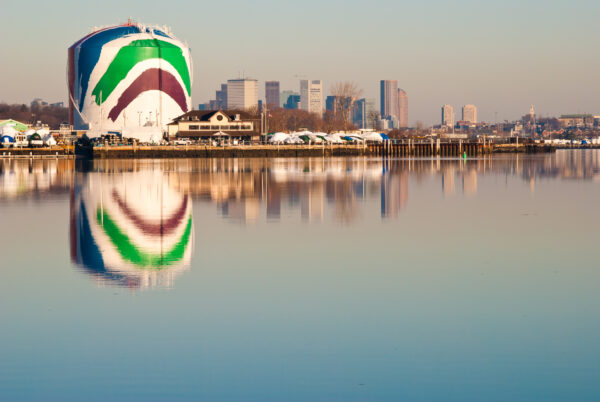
x=301, y=279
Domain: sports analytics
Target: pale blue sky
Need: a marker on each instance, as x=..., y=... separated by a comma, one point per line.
x=501, y=55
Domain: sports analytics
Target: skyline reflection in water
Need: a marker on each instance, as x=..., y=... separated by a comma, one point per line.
x=241, y=188
x=131, y=220
x=360, y=279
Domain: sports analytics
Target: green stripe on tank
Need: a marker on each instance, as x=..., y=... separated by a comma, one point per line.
x=136, y=52
x=131, y=253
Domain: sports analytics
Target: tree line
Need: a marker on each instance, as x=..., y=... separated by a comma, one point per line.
x=51, y=115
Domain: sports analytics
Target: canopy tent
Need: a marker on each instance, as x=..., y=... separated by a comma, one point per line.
x=49, y=140
x=9, y=131
x=293, y=139
x=373, y=137
x=7, y=139
x=17, y=125
x=317, y=138
x=334, y=139
x=43, y=132
x=278, y=138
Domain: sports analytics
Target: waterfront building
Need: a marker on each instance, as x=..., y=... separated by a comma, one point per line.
x=402, y=109
x=447, y=116
x=272, y=94
x=389, y=98
x=311, y=96
x=212, y=124
x=242, y=93
x=469, y=114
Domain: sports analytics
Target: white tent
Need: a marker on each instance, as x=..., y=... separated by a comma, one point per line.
x=9, y=131
x=294, y=139
x=334, y=139
x=372, y=136
x=316, y=137
x=43, y=132
x=278, y=138
x=49, y=140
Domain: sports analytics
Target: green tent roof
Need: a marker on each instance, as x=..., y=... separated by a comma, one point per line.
x=17, y=124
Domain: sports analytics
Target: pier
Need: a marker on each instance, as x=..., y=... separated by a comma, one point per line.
x=393, y=148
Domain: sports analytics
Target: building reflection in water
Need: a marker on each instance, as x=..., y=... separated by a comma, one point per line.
x=131, y=220
x=130, y=228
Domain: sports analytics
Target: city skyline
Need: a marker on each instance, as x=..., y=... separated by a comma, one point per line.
x=515, y=59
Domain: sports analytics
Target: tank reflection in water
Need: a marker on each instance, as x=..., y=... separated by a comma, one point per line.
x=130, y=229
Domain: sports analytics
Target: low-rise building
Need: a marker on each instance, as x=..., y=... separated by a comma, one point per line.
x=577, y=120
x=212, y=124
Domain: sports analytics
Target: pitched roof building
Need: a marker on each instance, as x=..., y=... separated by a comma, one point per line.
x=205, y=124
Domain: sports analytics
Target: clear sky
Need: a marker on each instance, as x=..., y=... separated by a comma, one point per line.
x=500, y=55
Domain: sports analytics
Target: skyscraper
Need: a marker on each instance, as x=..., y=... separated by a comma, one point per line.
x=402, y=108
x=221, y=97
x=469, y=113
x=272, y=93
x=311, y=96
x=284, y=97
x=363, y=114
x=242, y=93
x=389, y=99
x=292, y=102
x=447, y=116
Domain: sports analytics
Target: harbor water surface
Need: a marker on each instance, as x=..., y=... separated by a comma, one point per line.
x=321, y=279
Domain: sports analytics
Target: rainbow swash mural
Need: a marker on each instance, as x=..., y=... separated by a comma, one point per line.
x=131, y=229
x=128, y=76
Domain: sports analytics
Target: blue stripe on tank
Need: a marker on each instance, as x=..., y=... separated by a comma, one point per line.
x=89, y=54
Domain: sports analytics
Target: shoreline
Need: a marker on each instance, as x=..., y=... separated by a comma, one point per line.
x=282, y=151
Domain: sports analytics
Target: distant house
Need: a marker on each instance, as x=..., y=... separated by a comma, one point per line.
x=207, y=124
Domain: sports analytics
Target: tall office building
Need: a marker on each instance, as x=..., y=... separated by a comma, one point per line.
x=284, y=97
x=389, y=99
x=311, y=96
x=242, y=93
x=363, y=113
x=402, y=108
x=272, y=94
x=221, y=97
x=447, y=116
x=331, y=103
x=469, y=113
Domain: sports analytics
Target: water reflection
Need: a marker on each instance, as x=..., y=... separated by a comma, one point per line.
x=34, y=178
x=130, y=228
x=131, y=220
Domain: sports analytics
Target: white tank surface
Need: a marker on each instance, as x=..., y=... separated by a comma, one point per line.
x=131, y=229
x=128, y=76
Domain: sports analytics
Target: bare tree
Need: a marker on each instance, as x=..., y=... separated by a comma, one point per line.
x=346, y=93
x=373, y=117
